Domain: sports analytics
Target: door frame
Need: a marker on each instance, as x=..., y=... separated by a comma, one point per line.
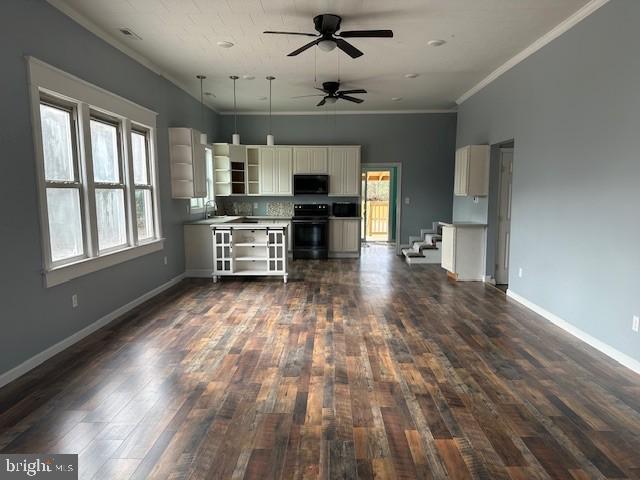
x=382, y=166
x=502, y=150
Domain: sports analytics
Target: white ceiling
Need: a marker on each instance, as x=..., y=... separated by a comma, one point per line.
x=179, y=37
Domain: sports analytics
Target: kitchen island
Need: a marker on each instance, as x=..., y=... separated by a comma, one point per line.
x=249, y=249
x=237, y=254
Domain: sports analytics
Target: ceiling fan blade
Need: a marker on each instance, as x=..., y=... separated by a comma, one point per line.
x=351, y=99
x=292, y=33
x=347, y=48
x=305, y=47
x=307, y=96
x=367, y=34
x=322, y=89
x=347, y=92
x=322, y=102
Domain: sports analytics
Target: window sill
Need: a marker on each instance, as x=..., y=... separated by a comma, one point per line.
x=63, y=274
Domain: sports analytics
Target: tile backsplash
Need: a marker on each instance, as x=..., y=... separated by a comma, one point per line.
x=270, y=206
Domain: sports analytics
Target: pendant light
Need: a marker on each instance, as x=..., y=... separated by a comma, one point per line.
x=235, y=138
x=270, y=139
x=203, y=135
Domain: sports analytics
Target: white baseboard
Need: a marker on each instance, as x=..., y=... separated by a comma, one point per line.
x=198, y=273
x=45, y=355
x=618, y=356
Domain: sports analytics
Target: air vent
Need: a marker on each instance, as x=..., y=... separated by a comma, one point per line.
x=127, y=32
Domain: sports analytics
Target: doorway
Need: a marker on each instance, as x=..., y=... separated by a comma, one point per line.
x=501, y=274
x=380, y=209
x=376, y=206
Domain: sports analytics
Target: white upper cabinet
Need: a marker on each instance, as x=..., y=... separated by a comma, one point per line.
x=187, y=161
x=344, y=171
x=275, y=171
x=472, y=171
x=310, y=160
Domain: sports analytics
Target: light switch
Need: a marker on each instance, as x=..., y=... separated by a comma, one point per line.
x=407, y=201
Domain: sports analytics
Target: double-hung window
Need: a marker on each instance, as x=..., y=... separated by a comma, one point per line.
x=95, y=157
x=63, y=188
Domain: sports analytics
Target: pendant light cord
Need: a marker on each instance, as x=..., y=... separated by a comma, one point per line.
x=270, y=81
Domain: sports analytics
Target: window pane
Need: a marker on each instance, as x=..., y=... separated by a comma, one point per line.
x=104, y=148
x=139, y=151
x=144, y=214
x=57, y=143
x=65, y=223
x=197, y=202
x=112, y=221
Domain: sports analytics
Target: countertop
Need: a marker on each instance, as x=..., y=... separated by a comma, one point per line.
x=234, y=219
x=463, y=224
x=251, y=226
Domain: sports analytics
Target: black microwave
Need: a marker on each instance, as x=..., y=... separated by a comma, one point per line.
x=345, y=209
x=310, y=184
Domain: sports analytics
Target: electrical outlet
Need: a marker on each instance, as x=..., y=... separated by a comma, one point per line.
x=74, y=300
x=476, y=199
x=635, y=326
x=165, y=260
x=255, y=205
x=520, y=272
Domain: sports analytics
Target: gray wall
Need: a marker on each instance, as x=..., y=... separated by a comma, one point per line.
x=33, y=318
x=423, y=143
x=574, y=111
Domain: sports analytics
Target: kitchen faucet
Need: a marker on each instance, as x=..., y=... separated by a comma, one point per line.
x=214, y=206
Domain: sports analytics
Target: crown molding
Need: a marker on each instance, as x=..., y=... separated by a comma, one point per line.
x=548, y=37
x=344, y=112
x=114, y=42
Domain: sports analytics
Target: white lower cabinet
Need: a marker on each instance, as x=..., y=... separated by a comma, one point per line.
x=463, y=247
x=276, y=170
x=344, y=237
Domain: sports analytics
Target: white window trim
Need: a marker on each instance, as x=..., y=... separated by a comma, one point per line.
x=44, y=78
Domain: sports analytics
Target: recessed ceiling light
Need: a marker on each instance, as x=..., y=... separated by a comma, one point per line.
x=225, y=44
x=436, y=43
x=411, y=75
x=127, y=32
x=248, y=77
x=396, y=99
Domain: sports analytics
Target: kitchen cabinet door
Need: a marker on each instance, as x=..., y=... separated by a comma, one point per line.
x=350, y=235
x=351, y=172
x=449, y=248
x=268, y=180
x=335, y=235
x=301, y=160
x=336, y=162
x=284, y=171
x=319, y=164
x=344, y=171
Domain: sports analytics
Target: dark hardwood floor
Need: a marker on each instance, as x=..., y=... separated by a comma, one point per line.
x=369, y=369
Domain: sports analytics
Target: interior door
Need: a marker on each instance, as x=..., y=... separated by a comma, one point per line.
x=504, y=216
